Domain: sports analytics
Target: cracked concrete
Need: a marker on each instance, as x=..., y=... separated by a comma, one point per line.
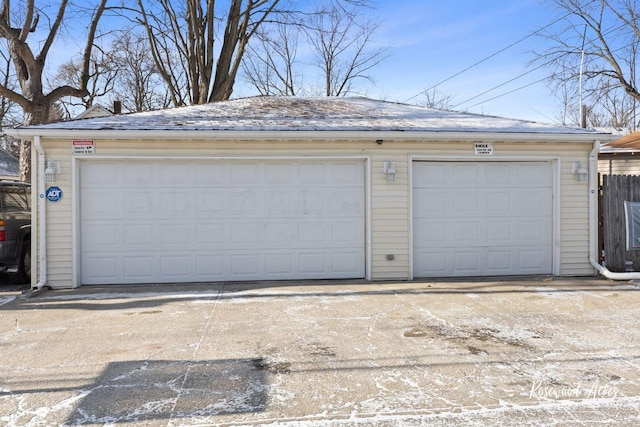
x=493, y=352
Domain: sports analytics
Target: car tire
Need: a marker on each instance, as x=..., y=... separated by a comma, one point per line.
x=25, y=262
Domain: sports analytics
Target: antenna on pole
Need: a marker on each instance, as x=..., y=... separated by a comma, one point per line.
x=583, y=108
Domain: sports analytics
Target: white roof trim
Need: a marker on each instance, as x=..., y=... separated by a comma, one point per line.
x=370, y=135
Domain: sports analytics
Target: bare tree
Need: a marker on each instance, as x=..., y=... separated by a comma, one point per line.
x=29, y=66
x=184, y=52
x=599, y=37
x=138, y=84
x=271, y=66
x=338, y=46
x=341, y=43
x=435, y=99
x=103, y=72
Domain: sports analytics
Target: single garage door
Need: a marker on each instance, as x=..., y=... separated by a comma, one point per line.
x=164, y=221
x=482, y=218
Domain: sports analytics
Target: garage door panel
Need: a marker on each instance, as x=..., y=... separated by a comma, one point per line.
x=280, y=172
x=279, y=264
x=138, y=204
x=172, y=266
x=172, y=205
x=175, y=236
x=431, y=263
x=467, y=262
x=175, y=174
x=311, y=174
x=500, y=175
x=211, y=203
x=244, y=235
x=139, y=268
x=535, y=202
x=139, y=237
x=210, y=267
x=134, y=173
x=532, y=260
x=102, y=204
x=100, y=236
x=212, y=175
x=104, y=267
x=433, y=177
x=465, y=175
x=435, y=229
x=533, y=175
x=312, y=234
x=430, y=203
x=498, y=201
x=103, y=175
x=346, y=262
x=482, y=229
x=210, y=235
x=312, y=263
x=534, y=231
x=244, y=204
x=232, y=220
x=467, y=233
x=244, y=173
x=500, y=261
x=279, y=234
x=499, y=231
x=346, y=203
x=279, y=203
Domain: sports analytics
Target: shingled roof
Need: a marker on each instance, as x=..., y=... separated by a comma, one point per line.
x=280, y=114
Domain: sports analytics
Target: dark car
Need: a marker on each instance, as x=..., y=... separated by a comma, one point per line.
x=15, y=228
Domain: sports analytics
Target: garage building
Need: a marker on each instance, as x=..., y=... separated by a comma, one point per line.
x=277, y=188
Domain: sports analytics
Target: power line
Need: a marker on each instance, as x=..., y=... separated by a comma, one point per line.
x=508, y=93
x=501, y=84
x=488, y=57
x=529, y=72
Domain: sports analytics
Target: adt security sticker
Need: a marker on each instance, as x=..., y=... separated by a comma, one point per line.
x=53, y=194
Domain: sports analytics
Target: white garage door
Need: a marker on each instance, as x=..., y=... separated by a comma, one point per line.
x=163, y=221
x=482, y=218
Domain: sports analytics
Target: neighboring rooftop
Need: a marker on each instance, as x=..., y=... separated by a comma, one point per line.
x=95, y=110
x=629, y=143
x=259, y=114
x=8, y=164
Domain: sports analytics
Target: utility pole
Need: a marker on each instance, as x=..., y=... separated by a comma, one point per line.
x=583, y=108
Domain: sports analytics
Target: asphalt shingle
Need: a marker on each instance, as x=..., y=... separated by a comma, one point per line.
x=308, y=114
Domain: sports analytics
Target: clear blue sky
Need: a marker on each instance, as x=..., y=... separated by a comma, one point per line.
x=432, y=40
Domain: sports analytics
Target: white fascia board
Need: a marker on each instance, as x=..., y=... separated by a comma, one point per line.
x=368, y=135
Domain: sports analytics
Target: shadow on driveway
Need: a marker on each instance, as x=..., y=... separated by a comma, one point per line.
x=119, y=297
x=138, y=391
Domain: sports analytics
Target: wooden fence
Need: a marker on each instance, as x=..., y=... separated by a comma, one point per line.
x=616, y=189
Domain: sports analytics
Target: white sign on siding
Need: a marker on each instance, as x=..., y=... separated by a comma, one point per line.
x=83, y=147
x=482, y=149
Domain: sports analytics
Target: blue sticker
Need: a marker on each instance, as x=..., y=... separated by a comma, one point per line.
x=54, y=194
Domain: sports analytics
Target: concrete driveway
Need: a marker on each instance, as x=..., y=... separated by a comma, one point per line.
x=507, y=352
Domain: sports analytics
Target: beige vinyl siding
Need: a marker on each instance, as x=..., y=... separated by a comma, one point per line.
x=574, y=215
x=60, y=220
x=390, y=217
x=619, y=164
x=389, y=201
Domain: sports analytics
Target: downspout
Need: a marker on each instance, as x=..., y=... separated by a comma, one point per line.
x=42, y=219
x=593, y=221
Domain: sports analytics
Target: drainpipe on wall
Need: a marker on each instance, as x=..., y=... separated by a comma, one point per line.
x=593, y=221
x=42, y=219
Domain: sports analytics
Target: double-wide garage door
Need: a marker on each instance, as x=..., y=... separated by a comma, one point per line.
x=482, y=218
x=163, y=221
